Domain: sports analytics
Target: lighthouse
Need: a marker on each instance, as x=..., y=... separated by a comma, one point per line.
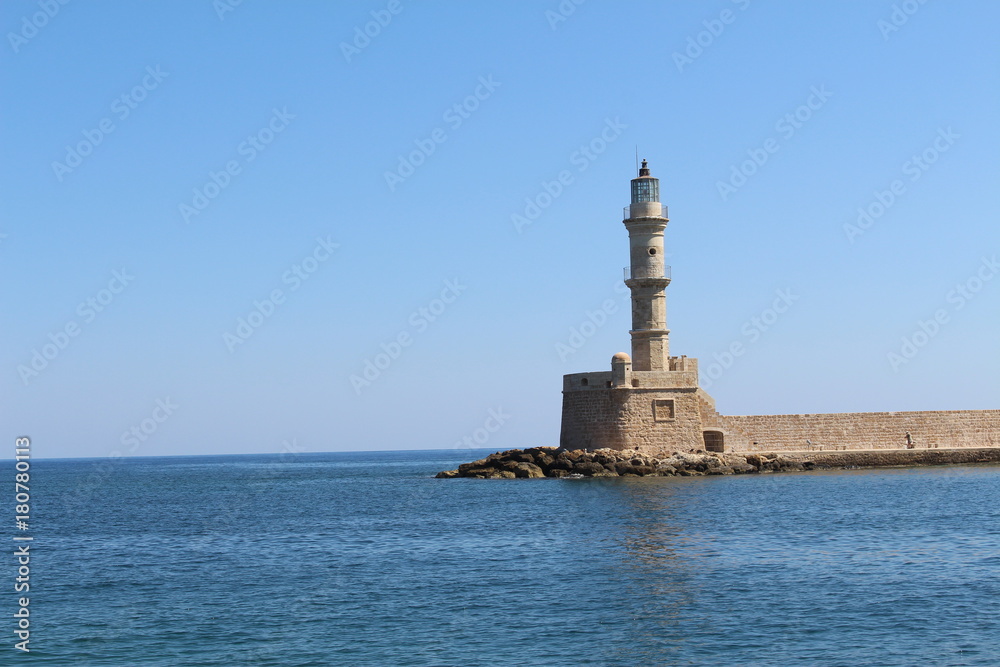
x=649, y=401
x=647, y=276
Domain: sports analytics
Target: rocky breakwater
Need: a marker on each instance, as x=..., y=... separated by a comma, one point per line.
x=554, y=462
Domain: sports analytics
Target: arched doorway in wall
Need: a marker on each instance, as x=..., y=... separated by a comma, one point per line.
x=715, y=441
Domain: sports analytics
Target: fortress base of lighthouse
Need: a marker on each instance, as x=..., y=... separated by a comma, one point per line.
x=648, y=411
x=658, y=412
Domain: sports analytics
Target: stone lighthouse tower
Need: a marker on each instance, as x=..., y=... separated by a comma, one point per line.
x=650, y=401
x=647, y=276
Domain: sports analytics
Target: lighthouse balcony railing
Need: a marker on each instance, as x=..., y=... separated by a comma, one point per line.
x=627, y=211
x=644, y=272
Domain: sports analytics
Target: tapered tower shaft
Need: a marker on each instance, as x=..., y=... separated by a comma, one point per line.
x=647, y=276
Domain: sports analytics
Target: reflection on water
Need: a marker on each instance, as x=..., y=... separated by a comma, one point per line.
x=658, y=562
x=778, y=568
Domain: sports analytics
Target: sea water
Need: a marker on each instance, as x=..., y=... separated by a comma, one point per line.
x=366, y=559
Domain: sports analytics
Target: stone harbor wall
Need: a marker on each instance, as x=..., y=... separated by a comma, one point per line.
x=651, y=412
x=861, y=430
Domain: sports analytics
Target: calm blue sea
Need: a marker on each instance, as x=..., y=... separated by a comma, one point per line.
x=365, y=559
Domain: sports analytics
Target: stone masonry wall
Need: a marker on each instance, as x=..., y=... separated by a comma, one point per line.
x=862, y=430
x=597, y=414
x=682, y=432
x=589, y=421
x=629, y=418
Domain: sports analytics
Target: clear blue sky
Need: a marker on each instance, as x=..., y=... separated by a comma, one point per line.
x=324, y=123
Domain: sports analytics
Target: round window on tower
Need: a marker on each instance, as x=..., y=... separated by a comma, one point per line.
x=652, y=251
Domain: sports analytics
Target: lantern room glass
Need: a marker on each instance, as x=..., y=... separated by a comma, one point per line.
x=645, y=189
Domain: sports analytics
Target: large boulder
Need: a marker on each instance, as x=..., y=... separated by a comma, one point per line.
x=481, y=471
x=563, y=464
x=544, y=459
x=508, y=464
x=605, y=458
x=466, y=467
x=640, y=470
x=590, y=469
x=527, y=470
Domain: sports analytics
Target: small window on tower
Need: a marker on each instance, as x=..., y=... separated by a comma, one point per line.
x=583, y=382
x=652, y=251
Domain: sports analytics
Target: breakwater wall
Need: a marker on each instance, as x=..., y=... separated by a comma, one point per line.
x=862, y=430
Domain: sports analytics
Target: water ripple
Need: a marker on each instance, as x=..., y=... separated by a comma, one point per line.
x=363, y=559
